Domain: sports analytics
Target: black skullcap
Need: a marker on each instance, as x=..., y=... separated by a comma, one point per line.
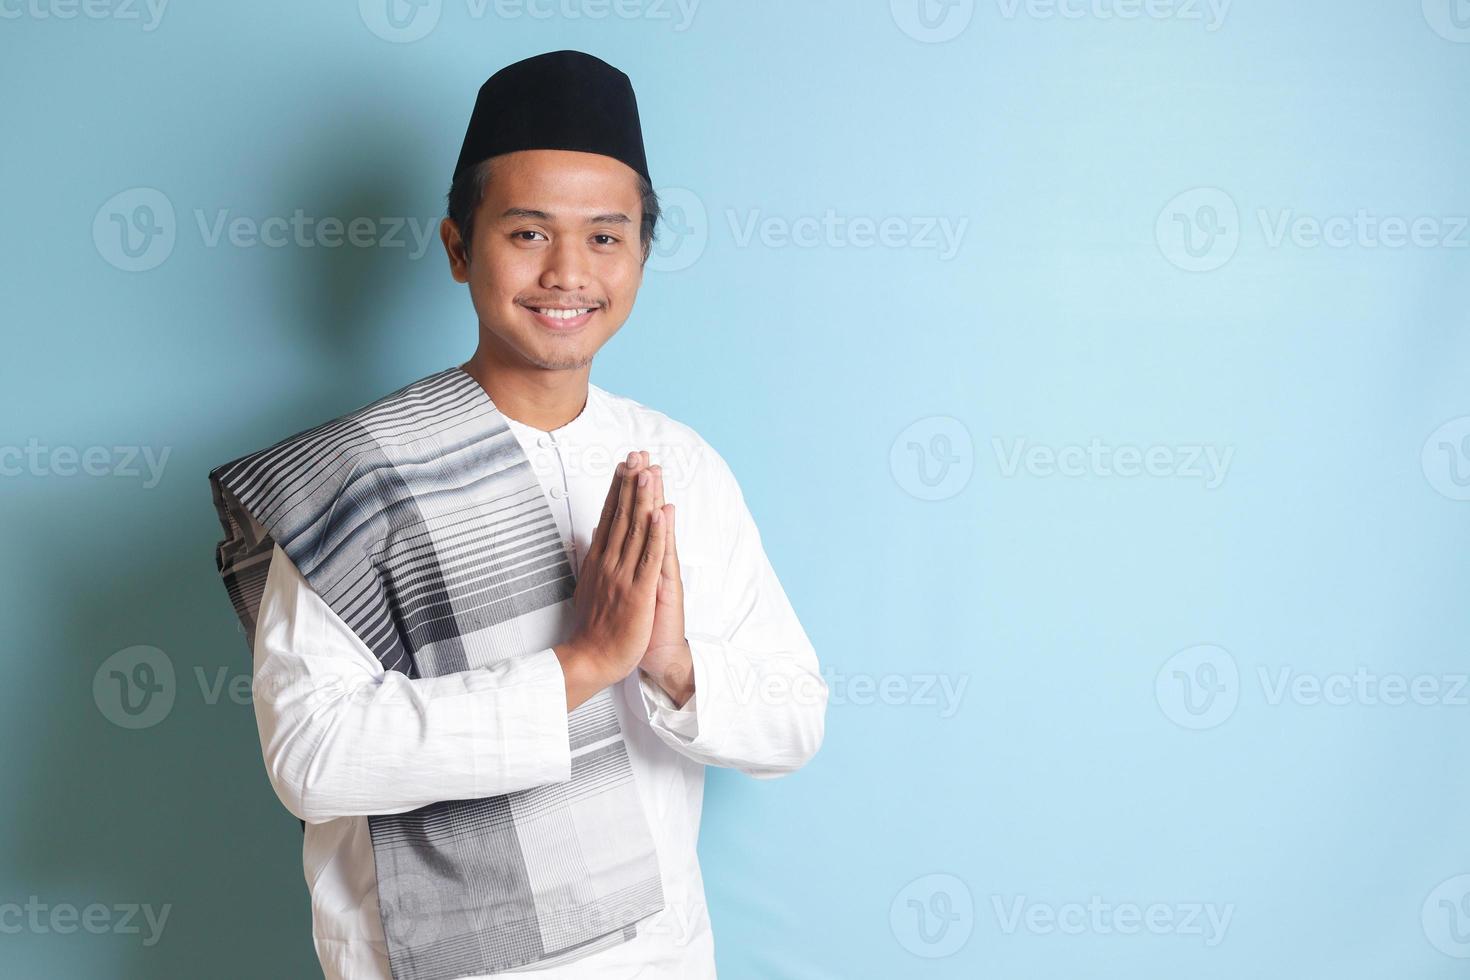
x=561, y=100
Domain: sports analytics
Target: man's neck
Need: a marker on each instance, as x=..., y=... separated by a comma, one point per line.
x=545, y=400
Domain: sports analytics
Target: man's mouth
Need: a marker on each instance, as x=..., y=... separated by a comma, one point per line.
x=561, y=317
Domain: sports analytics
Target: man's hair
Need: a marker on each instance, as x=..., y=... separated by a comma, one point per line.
x=467, y=190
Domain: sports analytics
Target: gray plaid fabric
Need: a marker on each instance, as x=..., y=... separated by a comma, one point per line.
x=419, y=520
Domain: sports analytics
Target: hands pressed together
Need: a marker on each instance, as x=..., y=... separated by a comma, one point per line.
x=629, y=600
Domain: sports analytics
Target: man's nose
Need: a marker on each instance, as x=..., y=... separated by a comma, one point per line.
x=566, y=266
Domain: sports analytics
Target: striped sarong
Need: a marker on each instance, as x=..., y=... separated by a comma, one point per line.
x=419, y=520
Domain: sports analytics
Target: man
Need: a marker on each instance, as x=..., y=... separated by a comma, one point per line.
x=502, y=618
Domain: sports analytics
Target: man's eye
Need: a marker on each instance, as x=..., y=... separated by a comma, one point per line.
x=527, y=232
x=611, y=240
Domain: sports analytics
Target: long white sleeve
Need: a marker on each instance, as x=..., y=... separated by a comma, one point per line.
x=342, y=737
x=760, y=701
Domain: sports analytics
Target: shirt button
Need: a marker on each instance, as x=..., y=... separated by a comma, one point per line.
x=558, y=493
x=544, y=442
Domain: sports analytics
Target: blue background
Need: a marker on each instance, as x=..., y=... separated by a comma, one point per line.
x=1119, y=279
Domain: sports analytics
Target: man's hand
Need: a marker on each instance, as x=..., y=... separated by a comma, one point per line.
x=617, y=585
x=668, y=661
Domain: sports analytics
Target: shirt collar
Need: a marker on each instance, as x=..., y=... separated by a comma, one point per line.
x=584, y=428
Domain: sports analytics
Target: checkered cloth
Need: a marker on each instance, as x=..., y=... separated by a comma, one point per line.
x=418, y=519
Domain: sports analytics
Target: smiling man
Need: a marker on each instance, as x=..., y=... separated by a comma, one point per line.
x=501, y=618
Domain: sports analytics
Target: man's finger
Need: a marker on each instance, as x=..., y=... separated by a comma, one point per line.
x=654, y=548
x=671, y=553
x=622, y=516
x=599, y=534
x=638, y=516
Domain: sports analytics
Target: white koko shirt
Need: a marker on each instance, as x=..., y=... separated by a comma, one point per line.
x=343, y=739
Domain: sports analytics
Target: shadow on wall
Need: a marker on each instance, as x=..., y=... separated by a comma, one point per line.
x=178, y=815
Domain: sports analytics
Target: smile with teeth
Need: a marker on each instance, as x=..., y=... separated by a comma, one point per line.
x=561, y=314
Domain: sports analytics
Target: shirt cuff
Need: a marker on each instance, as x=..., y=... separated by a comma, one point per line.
x=704, y=716
x=536, y=748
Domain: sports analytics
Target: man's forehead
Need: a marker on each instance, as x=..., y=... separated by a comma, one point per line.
x=566, y=185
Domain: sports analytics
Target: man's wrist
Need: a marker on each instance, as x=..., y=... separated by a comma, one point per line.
x=676, y=680
x=580, y=671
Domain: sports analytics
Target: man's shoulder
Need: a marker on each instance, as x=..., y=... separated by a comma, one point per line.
x=673, y=444
x=338, y=442
x=638, y=417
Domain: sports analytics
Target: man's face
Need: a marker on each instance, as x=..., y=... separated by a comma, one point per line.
x=556, y=230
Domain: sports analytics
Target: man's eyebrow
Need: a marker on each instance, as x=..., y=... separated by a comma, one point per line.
x=612, y=218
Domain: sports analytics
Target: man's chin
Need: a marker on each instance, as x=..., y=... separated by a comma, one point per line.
x=562, y=361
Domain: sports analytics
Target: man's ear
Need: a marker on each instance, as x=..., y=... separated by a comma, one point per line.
x=459, y=262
